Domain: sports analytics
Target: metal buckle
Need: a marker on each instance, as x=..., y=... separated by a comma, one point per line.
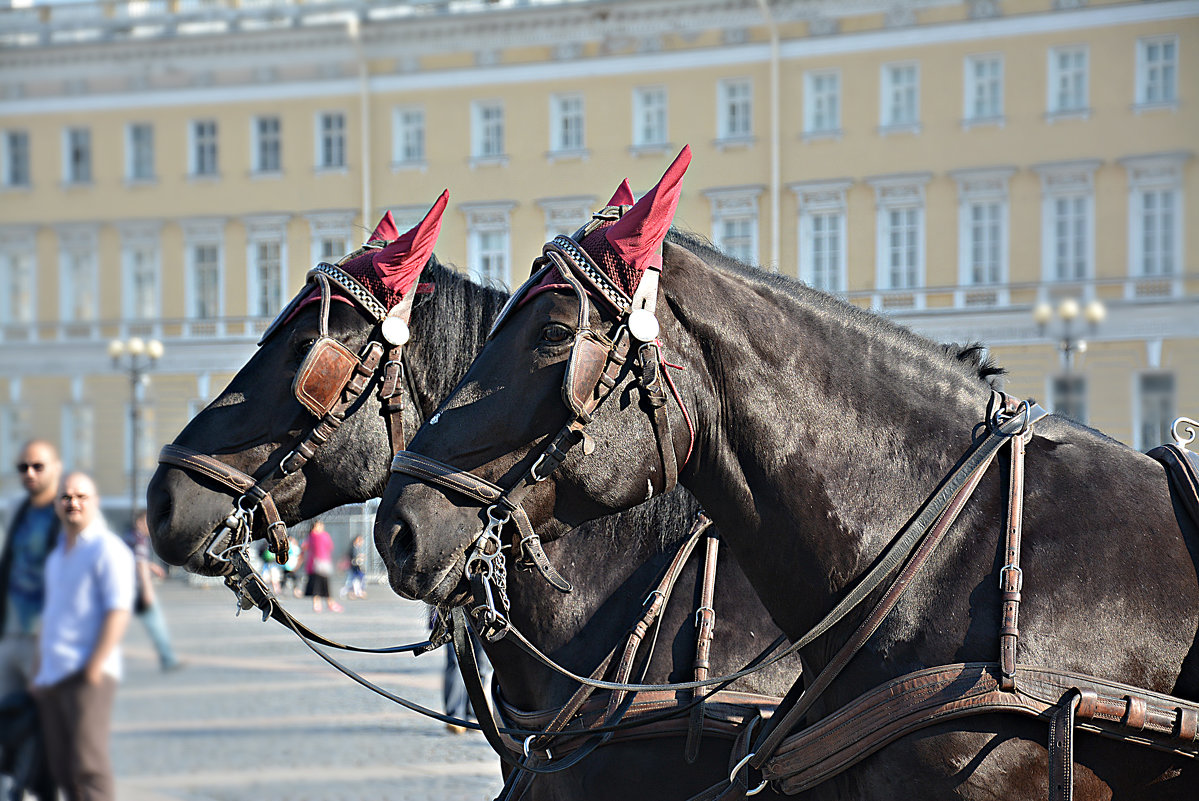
x=528, y=741
x=537, y=477
x=742, y=763
x=1019, y=577
x=699, y=612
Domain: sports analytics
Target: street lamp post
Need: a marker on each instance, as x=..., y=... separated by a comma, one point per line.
x=1069, y=342
x=136, y=357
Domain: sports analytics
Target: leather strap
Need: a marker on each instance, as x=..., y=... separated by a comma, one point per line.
x=1061, y=748
x=705, y=631
x=1011, y=577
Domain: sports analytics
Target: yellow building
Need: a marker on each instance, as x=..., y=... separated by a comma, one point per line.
x=171, y=168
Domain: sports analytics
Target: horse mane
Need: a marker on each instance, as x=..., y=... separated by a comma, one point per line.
x=449, y=326
x=981, y=365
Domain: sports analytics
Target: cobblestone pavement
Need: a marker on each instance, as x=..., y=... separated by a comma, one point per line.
x=255, y=715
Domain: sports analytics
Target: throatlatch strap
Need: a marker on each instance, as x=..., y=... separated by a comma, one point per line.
x=1061, y=749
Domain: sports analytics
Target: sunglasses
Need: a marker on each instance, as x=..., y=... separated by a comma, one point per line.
x=25, y=467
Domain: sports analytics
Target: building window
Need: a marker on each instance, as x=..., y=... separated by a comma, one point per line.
x=1067, y=221
x=735, y=108
x=566, y=123
x=735, y=221
x=1070, y=397
x=205, y=271
x=266, y=290
x=139, y=152
x=822, y=234
x=1157, y=215
x=1157, y=71
x=268, y=144
x=79, y=436
x=330, y=235
x=77, y=156
x=16, y=159
x=984, y=89
x=984, y=242
x=899, y=249
x=1068, y=91
x=1156, y=409
x=487, y=130
x=822, y=103
x=331, y=141
x=141, y=271
x=408, y=143
x=982, y=236
x=902, y=235
x=900, y=97
x=487, y=246
x=1155, y=237
x=16, y=286
x=565, y=215
x=79, y=299
x=649, y=117
x=204, y=147
x=331, y=249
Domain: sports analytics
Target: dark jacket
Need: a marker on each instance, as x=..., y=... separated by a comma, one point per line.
x=6, y=556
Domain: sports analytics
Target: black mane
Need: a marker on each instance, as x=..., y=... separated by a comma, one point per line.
x=972, y=355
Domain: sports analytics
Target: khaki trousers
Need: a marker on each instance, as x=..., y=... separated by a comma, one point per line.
x=76, y=720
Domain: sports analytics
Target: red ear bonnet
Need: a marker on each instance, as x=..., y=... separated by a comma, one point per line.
x=623, y=195
x=386, y=230
x=399, y=264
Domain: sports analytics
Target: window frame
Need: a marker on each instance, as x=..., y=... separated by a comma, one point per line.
x=204, y=154
x=560, y=116
x=1141, y=99
x=731, y=108
x=139, y=153
x=17, y=178
x=330, y=142
x=267, y=145
x=642, y=108
x=1139, y=408
x=401, y=131
x=812, y=96
x=77, y=141
x=1053, y=109
x=887, y=123
x=971, y=83
x=483, y=132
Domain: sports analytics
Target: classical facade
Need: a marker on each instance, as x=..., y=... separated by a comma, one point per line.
x=171, y=168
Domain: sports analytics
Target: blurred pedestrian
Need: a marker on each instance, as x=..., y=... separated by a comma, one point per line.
x=291, y=568
x=30, y=538
x=318, y=565
x=453, y=689
x=145, y=603
x=355, y=586
x=89, y=597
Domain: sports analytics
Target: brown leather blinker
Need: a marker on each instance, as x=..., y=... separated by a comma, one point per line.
x=588, y=357
x=325, y=372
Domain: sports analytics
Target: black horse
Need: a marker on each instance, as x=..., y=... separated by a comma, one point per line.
x=813, y=431
x=255, y=422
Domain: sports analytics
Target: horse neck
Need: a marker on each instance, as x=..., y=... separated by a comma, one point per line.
x=822, y=428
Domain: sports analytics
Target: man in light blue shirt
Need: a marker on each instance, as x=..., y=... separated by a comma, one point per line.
x=89, y=595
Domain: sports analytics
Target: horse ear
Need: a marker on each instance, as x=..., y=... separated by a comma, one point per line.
x=623, y=195
x=385, y=231
x=637, y=236
x=399, y=264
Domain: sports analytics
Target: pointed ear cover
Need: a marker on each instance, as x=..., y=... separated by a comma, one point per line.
x=637, y=236
x=623, y=195
x=399, y=264
x=385, y=231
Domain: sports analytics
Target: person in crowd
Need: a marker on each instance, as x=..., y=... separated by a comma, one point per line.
x=355, y=586
x=291, y=568
x=318, y=565
x=31, y=535
x=453, y=689
x=145, y=604
x=89, y=598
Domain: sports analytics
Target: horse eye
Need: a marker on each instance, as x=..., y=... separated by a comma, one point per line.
x=556, y=333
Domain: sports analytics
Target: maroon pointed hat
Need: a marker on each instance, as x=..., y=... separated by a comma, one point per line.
x=626, y=248
x=623, y=196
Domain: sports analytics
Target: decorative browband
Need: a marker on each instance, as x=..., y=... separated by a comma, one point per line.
x=351, y=285
x=582, y=263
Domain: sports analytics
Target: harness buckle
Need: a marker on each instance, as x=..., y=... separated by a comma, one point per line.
x=533, y=471
x=1019, y=577
x=742, y=763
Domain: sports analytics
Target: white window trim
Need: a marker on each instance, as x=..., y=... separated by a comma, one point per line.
x=193, y=163
x=823, y=197
x=131, y=154
x=1059, y=180
x=78, y=239
x=398, y=162
x=199, y=232
x=968, y=90
x=265, y=228
x=488, y=216
x=139, y=235
x=891, y=192
x=1052, y=113
x=1154, y=172
x=318, y=143
x=1138, y=412
x=1139, y=102
x=566, y=214
x=725, y=137
x=557, y=150
x=68, y=179
x=736, y=202
x=809, y=106
x=256, y=168
x=20, y=239
x=885, y=126
x=6, y=179
x=985, y=185
x=329, y=225
x=477, y=159
x=641, y=145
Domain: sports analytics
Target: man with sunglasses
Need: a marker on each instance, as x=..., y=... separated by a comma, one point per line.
x=30, y=538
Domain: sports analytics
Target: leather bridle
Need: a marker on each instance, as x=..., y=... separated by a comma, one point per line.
x=596, y=364
x=328, y=383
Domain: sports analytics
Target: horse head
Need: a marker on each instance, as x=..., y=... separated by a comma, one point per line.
x=580, y=333
x=325, y=382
